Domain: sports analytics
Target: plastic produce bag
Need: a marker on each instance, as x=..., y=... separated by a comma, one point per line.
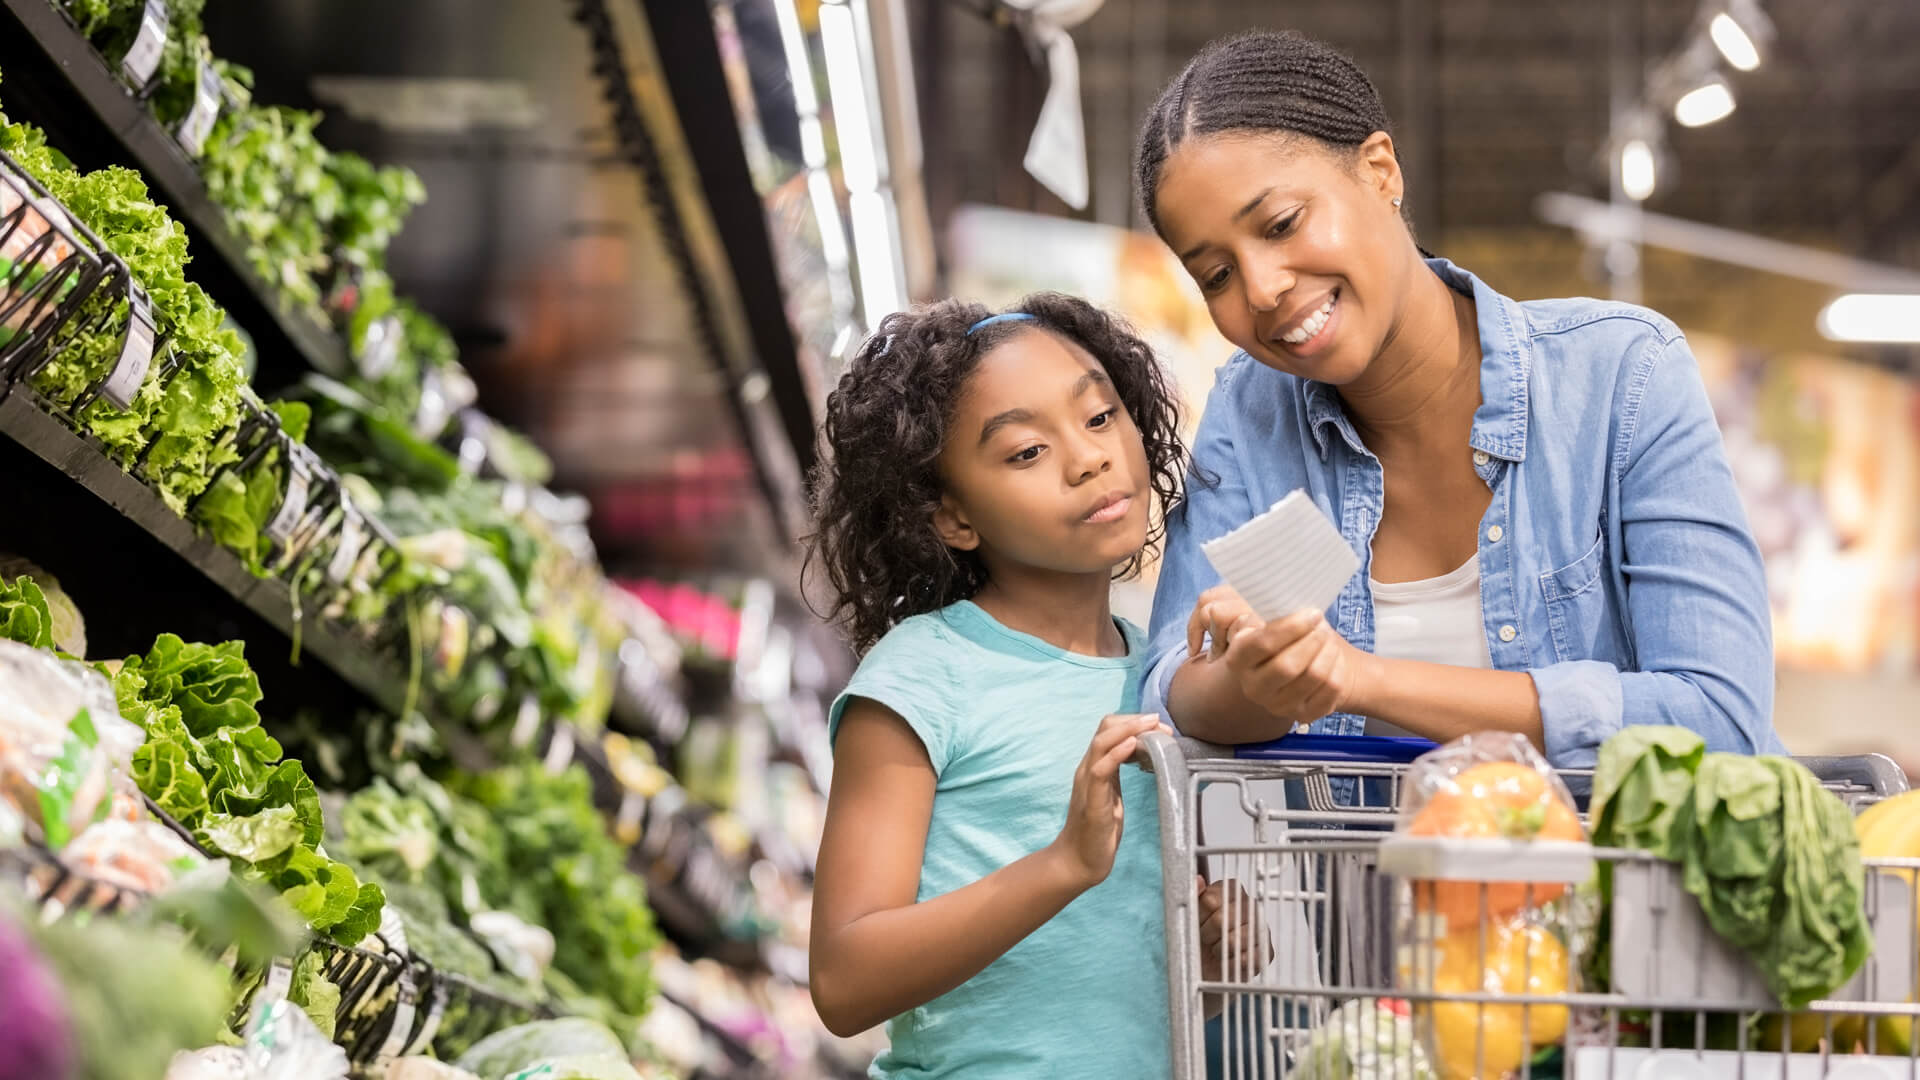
x=62, y=741
x=590, y=1067
x=1365, y=1039
x=283, y=1044
x=1485, y=787
x=213, y=1063
x=504, y=1053
x=1485, y=1041
x=142, y=855
x=421, y=1068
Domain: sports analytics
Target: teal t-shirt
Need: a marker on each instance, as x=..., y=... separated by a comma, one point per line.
x=1006, y=719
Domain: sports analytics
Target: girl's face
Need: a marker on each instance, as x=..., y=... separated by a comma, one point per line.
x=1298, y=248
x=1043, y=467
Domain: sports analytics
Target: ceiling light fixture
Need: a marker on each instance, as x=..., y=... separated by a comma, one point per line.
x=1880, y=318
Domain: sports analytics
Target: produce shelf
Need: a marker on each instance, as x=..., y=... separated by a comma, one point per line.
x=90, y=551
x=47, y=65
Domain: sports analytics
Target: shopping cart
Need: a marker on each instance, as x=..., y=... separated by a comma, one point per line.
x=1326, y=970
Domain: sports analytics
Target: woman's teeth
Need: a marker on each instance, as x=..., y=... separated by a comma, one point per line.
x=1312, y=327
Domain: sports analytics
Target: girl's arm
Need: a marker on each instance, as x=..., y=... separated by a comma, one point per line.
x=875, y=952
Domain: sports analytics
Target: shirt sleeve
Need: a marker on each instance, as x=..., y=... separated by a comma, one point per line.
x=1696, y=592
x=908, y=671
x=1216, y=503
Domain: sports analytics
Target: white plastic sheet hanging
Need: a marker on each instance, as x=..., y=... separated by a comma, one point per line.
x=1057, y=152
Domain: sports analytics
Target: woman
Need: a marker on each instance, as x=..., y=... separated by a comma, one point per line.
x=1549, y=534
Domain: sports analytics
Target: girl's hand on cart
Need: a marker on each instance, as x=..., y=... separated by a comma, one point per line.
x=1249, y=948
x=1298, y=668
x=1095, y=814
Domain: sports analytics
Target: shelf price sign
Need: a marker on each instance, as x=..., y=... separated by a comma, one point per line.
x=143, y=56
x=122, y=384
x=353, y=537
x=293, y=504
x=206, y=109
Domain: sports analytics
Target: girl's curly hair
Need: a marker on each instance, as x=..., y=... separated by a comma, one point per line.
x=877, y=488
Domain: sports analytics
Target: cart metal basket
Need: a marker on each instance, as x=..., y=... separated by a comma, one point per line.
x=1328, y=970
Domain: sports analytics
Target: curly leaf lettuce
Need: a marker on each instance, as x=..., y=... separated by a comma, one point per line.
x=23, y=613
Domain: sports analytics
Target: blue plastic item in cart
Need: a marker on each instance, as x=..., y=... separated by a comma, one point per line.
x=1353, y=749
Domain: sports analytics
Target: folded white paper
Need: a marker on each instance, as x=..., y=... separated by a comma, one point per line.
x=1288, y=559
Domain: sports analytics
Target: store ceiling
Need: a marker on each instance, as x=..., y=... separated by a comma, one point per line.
x=538, y=247
x=1496, y=101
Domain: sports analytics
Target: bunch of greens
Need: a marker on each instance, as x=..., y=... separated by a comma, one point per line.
x=269, y=173
x=180, y=61
x=66, y=630
x=209, y=763
x=183, y=418
x=110, y=24
x=566, y=873
x=1770, y=855
x=237, y=506
x=23, y=613
x=374, y=202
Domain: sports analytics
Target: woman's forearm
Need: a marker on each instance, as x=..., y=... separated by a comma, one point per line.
x=1436, y=701
x=884, y=964
x=1206, y=703
x=1443, y=702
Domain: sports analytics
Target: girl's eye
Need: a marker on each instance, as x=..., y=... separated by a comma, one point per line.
x=1283, y=226
x=1031, y=453
x=1215, y=281
x=1103, y=419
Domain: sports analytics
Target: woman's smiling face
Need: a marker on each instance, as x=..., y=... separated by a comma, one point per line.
x=1296, y=245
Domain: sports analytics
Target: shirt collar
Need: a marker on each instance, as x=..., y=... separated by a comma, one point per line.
x=1500, y=423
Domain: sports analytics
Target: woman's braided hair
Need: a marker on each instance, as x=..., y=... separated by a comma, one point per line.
x=875, y=492
x=1260, y=80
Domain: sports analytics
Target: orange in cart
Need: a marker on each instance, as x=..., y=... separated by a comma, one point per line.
x=1493, y=800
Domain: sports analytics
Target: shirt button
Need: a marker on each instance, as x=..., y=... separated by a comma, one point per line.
x=1481, y=457
x=1494, y=534
x=1508, y=633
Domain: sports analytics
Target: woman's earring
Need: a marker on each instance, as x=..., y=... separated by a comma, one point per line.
x=1396, y=202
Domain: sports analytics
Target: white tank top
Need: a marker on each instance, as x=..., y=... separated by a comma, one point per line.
x=1436, y=620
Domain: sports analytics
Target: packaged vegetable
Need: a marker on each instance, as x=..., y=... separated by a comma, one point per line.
x=506, y=1052
x=590, y=1067
x=1493, y=786
x=62, y=741
x=145, y=855
x=282, y=1044
x=1365, y=1039
x=1486, y=1041
x=421, y=1068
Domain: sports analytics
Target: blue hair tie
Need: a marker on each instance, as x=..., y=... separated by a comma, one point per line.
x=1011, y=316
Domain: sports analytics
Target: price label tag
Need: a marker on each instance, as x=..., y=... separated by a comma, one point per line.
x=428, y=1030
x=136, y=352
x=279, y=983
x=353, y=538
x=401, y=1033
x=293, y=503
x=560, y=750
x=381, y=348
x=206, y=109
x=626, y=823
x=143, y=56
x=526, y=724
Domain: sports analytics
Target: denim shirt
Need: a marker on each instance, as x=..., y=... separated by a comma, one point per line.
x=1616, y=564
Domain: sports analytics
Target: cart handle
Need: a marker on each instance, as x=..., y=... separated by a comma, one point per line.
x=1352, y=749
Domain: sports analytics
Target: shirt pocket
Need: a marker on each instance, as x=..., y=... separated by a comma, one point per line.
x=1580, y=609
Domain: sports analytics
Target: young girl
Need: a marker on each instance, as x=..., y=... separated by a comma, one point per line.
x=989, y=877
